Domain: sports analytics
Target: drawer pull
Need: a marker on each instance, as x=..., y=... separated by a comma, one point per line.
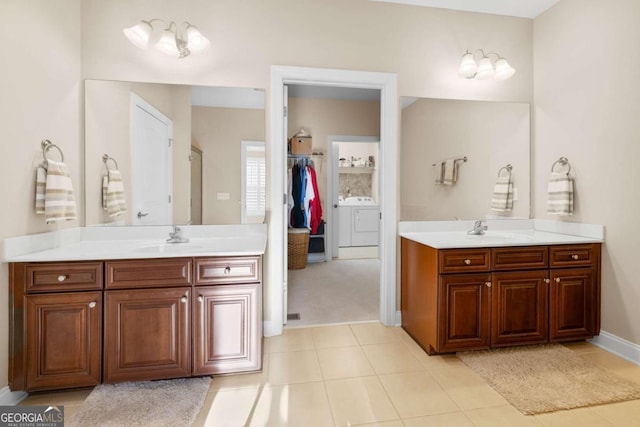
x=183, y=299
x=488, y=284
x=62, y=278
x=200, y=298
x=547, y=280
x=92, y=304
x=227, y=270
x=557, y=280
x=575, y=257
x=467, y=261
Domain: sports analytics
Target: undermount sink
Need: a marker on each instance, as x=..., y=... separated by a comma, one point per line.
x=170, y=248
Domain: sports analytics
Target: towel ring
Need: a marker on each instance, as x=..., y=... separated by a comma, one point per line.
x=564, y=162
x=507, y=168
x=48, y=145
x=106, y=158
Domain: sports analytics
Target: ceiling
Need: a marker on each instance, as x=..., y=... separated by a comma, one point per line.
x=520, y=8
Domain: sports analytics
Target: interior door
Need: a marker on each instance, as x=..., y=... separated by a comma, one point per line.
x=151, y=164
x=195, y=160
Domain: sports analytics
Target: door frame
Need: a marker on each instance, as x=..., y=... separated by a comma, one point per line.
x=332, y=184
x=387, y=84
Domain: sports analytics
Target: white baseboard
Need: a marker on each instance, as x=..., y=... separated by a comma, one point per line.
x=11, y=398
x=618, y=346
x=398, y=318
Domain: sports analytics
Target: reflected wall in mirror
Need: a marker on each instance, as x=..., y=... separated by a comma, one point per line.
x=490, y=134
x=178, y=149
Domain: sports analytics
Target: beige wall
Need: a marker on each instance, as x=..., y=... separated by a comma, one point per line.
x=490, y=134
x=324, y=117
x=108, y=130
x=218, y=132
x=41, y=90
x=587, y=65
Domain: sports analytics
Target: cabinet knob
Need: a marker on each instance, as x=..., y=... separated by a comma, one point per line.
x=92, y=304
x=547, y=280
x=200, y=298
x=557, y=280
x=575, y=256
x=488, y=284
x=62, y=278
x=183, y=299
x=467, y=261
x=227, y=270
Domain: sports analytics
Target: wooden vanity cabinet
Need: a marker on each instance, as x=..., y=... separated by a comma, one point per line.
x=227, y=320
x=55, y=329
x=478, y=298
x=153, y=319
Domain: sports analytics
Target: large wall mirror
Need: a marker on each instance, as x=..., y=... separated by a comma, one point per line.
x=158, y=154
x=490, y=135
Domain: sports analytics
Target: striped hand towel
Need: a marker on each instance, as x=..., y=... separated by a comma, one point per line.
x=502, y=200
x=58, y=201
x=450, y=172
x=113, y=200
x=560, y=194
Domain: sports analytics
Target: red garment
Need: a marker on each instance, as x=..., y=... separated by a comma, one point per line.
x=316, y=206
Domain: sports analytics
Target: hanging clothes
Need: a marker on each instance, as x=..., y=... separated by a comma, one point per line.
x=303, y=198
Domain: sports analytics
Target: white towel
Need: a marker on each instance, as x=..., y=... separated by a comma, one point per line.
x=438, y=170
x=113, y=200
x=54, y=192
x=502, y=200
x=560, y=194
x=450, y=172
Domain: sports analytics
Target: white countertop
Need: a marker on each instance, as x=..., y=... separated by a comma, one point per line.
x=103, y=243
x=500, y=233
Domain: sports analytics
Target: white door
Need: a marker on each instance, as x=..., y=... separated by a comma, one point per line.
x=285, y=207
x=151, y=164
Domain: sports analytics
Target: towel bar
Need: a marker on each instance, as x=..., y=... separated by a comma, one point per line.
x=48, y=145
x=106, y=158
x=564, y=162
x=460, y=159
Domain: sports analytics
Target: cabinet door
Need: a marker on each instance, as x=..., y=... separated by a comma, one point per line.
x=147, y=334
x=228, y=334
x=519, y=304
x=464, y=312
x=63, y=340
x=572, y=304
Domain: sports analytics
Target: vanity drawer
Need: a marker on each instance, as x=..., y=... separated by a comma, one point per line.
x=148, y=273
x=464, y=260
x=219, y=271
x=63, y=276
x=520, y=258
x=574, y=255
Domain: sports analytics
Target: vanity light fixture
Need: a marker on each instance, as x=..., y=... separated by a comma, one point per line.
x=485, y=69
x=174, y=40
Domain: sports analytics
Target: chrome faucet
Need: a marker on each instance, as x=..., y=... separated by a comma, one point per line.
x=478, y=228
x=176, y=236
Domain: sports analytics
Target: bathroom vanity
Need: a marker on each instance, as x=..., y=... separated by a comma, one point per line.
x=148, y=311
x=504, y=288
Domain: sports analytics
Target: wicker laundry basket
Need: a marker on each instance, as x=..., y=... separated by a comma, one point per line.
x=297, y=248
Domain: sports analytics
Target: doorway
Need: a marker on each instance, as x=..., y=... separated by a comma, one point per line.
x=276, y=252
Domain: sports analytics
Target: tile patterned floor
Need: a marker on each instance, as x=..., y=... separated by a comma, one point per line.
x=368, y=375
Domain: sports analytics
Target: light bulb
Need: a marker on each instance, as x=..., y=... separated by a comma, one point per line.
x=503, y=69
x=139, y=34
x=485, y=69
x=468, y=66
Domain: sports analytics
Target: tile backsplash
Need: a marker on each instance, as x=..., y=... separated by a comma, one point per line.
x=355, y=184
